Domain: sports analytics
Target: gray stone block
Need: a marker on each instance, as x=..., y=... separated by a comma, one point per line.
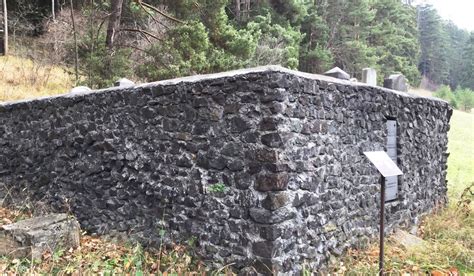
x=396, y=82
x=31, y=238
x=338, y=73
x=369, y=76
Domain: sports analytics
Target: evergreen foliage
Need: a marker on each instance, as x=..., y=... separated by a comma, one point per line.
x=184, y=37
x=467, y=73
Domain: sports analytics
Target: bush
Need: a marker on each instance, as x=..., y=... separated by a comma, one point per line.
x=464, y=98
x=444, y=92
x=100, y=66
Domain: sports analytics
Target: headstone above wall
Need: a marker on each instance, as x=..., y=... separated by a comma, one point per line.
x=123, y=82
x=337, y=72
x=396, y=82
x=369, y=76
x=80, y=90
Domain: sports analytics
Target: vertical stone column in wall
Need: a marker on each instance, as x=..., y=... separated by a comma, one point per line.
x=274, y=209
x=391, y=183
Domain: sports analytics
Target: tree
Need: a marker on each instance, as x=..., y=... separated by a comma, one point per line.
x=394, y=35
x=315, y=57
x=349, y=23
x=434, y=63
x=114, y=21
x=5, y=27
x=458, y=39
x=467, y=72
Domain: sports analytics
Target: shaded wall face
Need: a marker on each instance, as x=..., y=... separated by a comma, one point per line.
x=287, y=149
x=334, y=189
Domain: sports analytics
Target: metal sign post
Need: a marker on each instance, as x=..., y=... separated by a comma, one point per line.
x=382, y=220
x=387, y=168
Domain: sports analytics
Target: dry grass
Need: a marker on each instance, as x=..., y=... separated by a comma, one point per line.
x=99, y=256
x=22, y=78
x=421, y=92
x=448, y=249
x=448, y=233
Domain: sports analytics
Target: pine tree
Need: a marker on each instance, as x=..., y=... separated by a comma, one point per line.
x=315, y=57
x=350, y=28
x=467, y=72
x=434, y=63
x=458, y=39
x=395, y=36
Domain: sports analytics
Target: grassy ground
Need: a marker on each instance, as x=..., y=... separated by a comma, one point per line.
x=448, y=234
x=25, y=79
x=461, y=147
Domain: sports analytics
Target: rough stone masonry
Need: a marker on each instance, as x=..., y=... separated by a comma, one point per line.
x=286, y=145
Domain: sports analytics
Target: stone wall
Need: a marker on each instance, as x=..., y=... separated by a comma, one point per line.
x=286, y=145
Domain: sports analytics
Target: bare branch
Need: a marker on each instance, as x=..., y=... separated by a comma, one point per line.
x=141, y=3
x=151, y=15
x=143, y=32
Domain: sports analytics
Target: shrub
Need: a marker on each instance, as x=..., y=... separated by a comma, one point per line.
x=100, y=66
x=464, y=98
x=444, y=92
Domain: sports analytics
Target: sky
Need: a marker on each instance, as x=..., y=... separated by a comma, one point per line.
x=461, y=12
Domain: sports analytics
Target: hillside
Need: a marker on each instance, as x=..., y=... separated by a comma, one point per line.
x=21, y=78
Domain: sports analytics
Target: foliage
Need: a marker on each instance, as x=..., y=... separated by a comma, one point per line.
x=183, y=52
x=434, y=45
x=315, y=57
x=465, y=98
x=458, y=39
x=395, y=38
x=445, y=93
x=217, y=188
x=100, y=66
x=277, y=44
x=461, y=98
x=184, y=37
x=467, y=73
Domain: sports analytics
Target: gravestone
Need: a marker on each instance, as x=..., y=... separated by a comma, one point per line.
x=338, y=73
x=30, y=238
x=396, y=82
x=123, y=82
x=80, y=90
x=369, y=76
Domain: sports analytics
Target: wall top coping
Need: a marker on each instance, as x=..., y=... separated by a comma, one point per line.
x=226, y=74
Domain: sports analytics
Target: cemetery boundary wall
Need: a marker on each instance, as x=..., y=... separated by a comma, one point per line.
x=261, y=167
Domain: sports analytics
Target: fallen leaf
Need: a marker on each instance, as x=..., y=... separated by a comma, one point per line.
x=454, y=271
x=437, y=273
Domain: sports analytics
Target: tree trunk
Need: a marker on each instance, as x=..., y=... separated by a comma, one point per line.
x=247, y=9
x=237, y=10
x=114, y=21
x=5, y=28
x=76, y=51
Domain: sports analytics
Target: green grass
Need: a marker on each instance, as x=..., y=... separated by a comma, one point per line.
x=461, y=148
